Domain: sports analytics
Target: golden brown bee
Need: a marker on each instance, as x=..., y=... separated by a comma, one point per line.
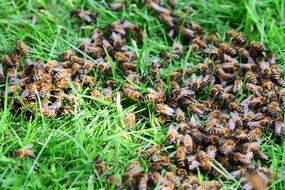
x=237, y=37
x=6, y=60
x=188, y=142
x=181, y=156
x=216, y=89
x=223, y=76
x=273, y=108
x=180, y=115
x=157, y=8
x=227, y=147
x=46, y=89
x=24, y=152
x=153, y=95
x=117, y=5
x=251, y=77
x=204, y=160
x=131, y=92
x=187, y=33
x=21, y=48
x=229, y=66
x=129, y=66
x=167, y=20
x=99, y=165
x=155, y=149
x=142, y=180
x=175, y=75
x=155, y=177
x=212, y=152
x=243, y=158
x=237, y=85
x=61, y=73
x=227, y=97
x=177, y=50
x=86, y=16
x=275, y=72
x=117, y=39
x=228, y=49
x=213, y=38
x=265, y=67
x=172, y=135
x=254, y=134
x=259, y=179
x=160, y=159
x=124, y=57
x=200, y=41
x=130, y=119
x=96, y=93
x=164, y=109
x=255, y=89
x=88, y=66
x=193, y=107
x=66, y=55
x=258, y=46
x=196, y=134
x=209, y=185
x=260, y=155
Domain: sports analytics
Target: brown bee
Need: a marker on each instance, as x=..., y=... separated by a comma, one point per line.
x=246, y=55
x=6, y=60
x=196, y=134
x=164, y=109
x=260, y=179
x=142, y=180
x=187, y=33
x=279, y=127
x=213, y=38
x=160, y=159
x=21, y=48
x=172, y=135
x=209, y=185
x=157, y=8
x=124, y=56
x=66, y=55
x=264, y=66
x=204, y=160
x=155, y=149
x=131, y=92
x=273, y=108
x=86, y=16
x=24, y=152
x=223, y=76
x=167, y=20
x=117, y=39
x=200, y=41
x=260, y=155
x=237, y=37
x=251, y=77
x=227, y=147
x=212, y=152
x=188, y=142
x=181, y=156
x=275, y=72
x=180, y=115
x=255, y=89
x=193, y=107
x=130, y=118
x=117, y=5
x=155, y=177
x=177, y=50
x=254, y=134
x=228, y=49
x=243, y=158
x=227, y=97
x=258, y=46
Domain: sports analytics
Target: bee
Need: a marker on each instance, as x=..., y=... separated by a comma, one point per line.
x=192, y=107
x=117, y=39
x=160, y=159
x=245, y=55
x=213, y=38
x=271, y=96
x=142, y=180
x=209, y=185
x=187, y=33
x=229, y=66
x=273, y=108
x=251, y=77
x=228, y=49
x=157, y=8
x=131, y=92
x=66, y=55
x=223, y=76
x=227, y=147
x=184, y=127
x=216, y=89
x=268, y=85
x=180, y=115
x=124, y=57
x=76, y=59
x=15, y=59
x=117, y=5
x=172, y=135
x=21, y=48
x=201, y=42
x=212, y=152
x=45, y=91
x=204, y=160
x=256, y=102
x=260, y=179
x=164, y=109
x=94, y=51
x=254, y=134
x=177, y=50
x=196, y=134
x=275, y=72
x=255, y=89
x=196, y=82
x=153, y=95
x=243, y=158
x=260, y=155
x=130, y=118
x=279, y=127
x=24, y=152
x=237, y=37
x=155, y=177
x=99, y=165
x=167, y=20
x=86, y=16
x=227, y=97
x=192, y=162
x=181, y=156
x=188, y=142
x=155, y=149
x=265, y=67
x=6, y=60
x=258, y=46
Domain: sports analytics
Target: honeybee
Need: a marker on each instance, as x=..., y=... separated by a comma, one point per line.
x=228, y=49
x=223, y=76
x=187, y=33
x=117, y=5
x=192, y=107
x=256, y=102
x=66, y=55
x=260, y=179
x=86, y=16
x=158, y=9
x=181, y=156
x=212, y=152
x=164, y=109
x=167, y=20
x=237, y=37
x=153, y=95
x=268, y=85
x=243, y=158
x=188, y=142
x=103, y=66
x=24, y=152
x=15, y=59
x=279, y=126
x=46, y=89
x=227, y=97
x=254, y=134
x=251, y=77
x=192, y=162
x=260, y=155
x=273, y=108
x=209, y=185
x=142, y=180
x=255, y=89
x=155, y=177
x=6, y=60
x=265, y=67
x=258, y=46
x=177, y=50
x=196, y=134
x=131, y=92
x=213, y=38
x=180, y=115
x=200, y=41
x=130, y=118
x=245, y=55
x=117, y=39
x=196, y=82
x=172, y=135
x=124, y=56
x=204, y=160
x=275, y=72
x=21, y=48
x=227, y=147
x=160, y=159
x=155, y=149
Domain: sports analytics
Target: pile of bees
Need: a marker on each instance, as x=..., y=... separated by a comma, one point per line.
x=216, y=111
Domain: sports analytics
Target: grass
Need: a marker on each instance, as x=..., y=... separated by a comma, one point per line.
x=65, y=146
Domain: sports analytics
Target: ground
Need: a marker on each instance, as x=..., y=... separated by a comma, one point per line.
x=65, y=146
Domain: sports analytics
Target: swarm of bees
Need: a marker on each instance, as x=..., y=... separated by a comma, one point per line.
x=240, y=83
